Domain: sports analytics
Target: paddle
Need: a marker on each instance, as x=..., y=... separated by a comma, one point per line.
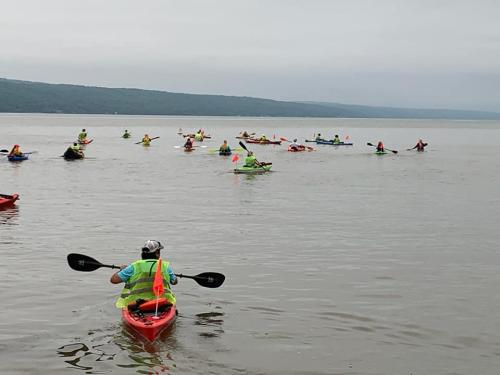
x=191, y=146
x=137, y=143
x=4, y=151
x=84, y=263
x=385, y=148
x=286, y=140
x=409, y=149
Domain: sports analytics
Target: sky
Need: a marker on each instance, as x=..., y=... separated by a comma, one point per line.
x=397, y=53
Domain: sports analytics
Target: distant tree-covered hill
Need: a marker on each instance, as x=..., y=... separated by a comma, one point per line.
x=35, y=97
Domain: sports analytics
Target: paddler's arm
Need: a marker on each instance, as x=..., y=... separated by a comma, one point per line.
x=173, y=279
x=123, y=275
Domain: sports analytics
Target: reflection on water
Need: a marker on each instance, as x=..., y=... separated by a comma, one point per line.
x=122, y=348
x=9, y=215
x=212, y=321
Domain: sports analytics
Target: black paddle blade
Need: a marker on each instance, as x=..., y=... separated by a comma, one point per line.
x=80, y=262
x=369, y=144
x=243, y=146
x=210, y=279
x=207, y=279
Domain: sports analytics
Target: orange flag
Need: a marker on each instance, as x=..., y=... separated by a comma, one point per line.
x=158, y=281
x=235, y=158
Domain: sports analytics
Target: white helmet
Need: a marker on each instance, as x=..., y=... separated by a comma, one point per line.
x=152, y=246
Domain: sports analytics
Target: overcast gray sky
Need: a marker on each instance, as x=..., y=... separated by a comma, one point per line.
x=415, y=53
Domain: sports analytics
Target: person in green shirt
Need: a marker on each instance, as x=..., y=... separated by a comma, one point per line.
x=83, y=135
x=126, y=134
x=251, y=160
x=336, y=140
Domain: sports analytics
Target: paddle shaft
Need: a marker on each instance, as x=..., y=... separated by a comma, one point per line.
x=149, y=139
x=385, y=148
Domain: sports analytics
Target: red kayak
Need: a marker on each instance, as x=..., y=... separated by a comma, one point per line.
x=85, y=141
x=296, y=149
x=147, y=324
x=266, y=142
x=8, y=200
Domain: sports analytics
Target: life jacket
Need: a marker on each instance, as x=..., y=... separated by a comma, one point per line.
x=198, y=136
x=140, y=284
x=82, y=136
x=420, y=146
x=336, y=140
x=224, y=147
x=380, y=146
x=250, y=161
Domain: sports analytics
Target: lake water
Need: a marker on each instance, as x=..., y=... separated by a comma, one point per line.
x=338, y=262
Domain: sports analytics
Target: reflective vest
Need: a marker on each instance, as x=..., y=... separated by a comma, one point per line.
x=140, y=285
x=82, y=136
x=250, y=161
x=198, y=136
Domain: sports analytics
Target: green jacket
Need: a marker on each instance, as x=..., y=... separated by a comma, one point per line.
x=140, y=285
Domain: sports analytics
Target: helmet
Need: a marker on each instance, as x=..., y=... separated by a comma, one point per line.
x=75, y=144
x=16, y=145
x=151, y=246
x=295, y=140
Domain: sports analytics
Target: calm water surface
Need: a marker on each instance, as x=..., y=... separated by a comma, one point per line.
x=338, y=262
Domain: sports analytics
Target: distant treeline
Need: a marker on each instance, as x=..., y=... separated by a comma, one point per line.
x=35, y=97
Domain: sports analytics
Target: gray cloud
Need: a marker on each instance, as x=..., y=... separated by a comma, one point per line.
x=386, y=52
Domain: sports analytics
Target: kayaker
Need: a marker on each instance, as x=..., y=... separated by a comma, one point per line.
x=83, y=135
x=198, y=136
x=419, y=146
x=251, y=160
x=336, y=140
x=75, y=147
x=126, y=134
x=16, y=151
x=225, y=147
x=139, y=276
x=244, y=134
x=296, y=146
x=380, y=146
x=263, y=138
x=146, y=140
x=189, y=144
x=318, y=137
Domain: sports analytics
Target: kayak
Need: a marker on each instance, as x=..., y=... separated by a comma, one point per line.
x=146, y=324
x=17, y=157
x=296, y=149
x=266, y=142
x=71, y=154
x=380, y=152
x=194, y=135
x=188, y=149
x=84, y=141
x=331, y=143
x=253, y=170
x=225, y=153
x=8, y=200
